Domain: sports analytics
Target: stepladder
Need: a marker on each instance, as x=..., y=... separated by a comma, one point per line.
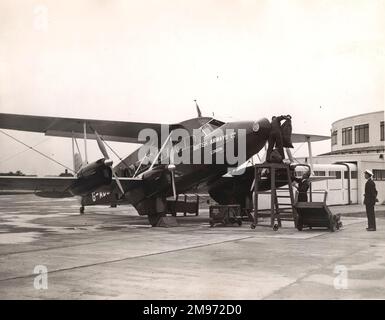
x=273, y=181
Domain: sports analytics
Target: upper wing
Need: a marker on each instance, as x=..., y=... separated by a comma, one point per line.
x=120, y=131
x=303, y=137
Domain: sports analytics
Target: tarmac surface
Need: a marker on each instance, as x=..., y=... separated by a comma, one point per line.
x=112, y=253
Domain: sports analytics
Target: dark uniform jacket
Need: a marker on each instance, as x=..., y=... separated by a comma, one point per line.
x=370, y=193
x=303, y=187
x=276, y=124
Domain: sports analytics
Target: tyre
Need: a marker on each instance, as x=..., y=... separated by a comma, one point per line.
x=332, y=226
x=299, y=224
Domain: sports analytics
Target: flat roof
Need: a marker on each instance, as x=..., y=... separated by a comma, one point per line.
x=356, y=150
x=357, y=115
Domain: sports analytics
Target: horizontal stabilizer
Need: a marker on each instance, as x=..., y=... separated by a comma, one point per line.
x=304, y=137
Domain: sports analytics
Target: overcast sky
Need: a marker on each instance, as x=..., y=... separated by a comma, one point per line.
x=148, y=60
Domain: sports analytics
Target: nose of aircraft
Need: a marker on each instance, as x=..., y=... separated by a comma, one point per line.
x=259, y=135
x=262, y=127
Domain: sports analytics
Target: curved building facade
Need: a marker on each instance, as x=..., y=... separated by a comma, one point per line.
x=359, y=140
x=358, y=134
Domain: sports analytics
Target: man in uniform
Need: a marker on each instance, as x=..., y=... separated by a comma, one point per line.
x=370, y=200
x=303, y=186
x=275, y=137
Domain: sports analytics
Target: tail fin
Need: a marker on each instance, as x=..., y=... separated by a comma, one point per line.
x=78, y=162
x=198, y=109
x=76, y=156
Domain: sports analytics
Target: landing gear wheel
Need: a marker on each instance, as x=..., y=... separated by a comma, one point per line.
x=338, y=222
x=275, y=227
x=239, y=222
x=299, y=224
x=252, y=226
x=332, y=224
x=154, y=219
x=300, y=227
x=81, y=210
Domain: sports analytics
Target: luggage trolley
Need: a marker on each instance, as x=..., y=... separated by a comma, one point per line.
x=317, y=214
x=225, y=214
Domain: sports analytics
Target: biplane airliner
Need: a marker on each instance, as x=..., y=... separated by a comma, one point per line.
x=149, y=175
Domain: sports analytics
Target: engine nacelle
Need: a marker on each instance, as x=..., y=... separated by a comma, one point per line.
x=92, y=177
x=237, y=189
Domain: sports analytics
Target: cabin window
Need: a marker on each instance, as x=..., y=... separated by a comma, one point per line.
x=320, y=173
x=379, y=175
x=334, y=137
x=337, y=174
x=346, y=174
x=382, y=130
x=361, y=133
x=347, y=136
x=353, y=174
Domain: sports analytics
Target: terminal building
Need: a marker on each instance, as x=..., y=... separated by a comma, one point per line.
x=357, y=144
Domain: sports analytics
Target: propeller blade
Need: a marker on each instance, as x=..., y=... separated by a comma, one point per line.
x=118, y=182
x=252, y=185
x=171, y=168
x=101, y=146
x=173, y=183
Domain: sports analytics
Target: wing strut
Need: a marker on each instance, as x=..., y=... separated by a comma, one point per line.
x=289, y=155
x=310, y=154
x=160, y=151
x=85, y=142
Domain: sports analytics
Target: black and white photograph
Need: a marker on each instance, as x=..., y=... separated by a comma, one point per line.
x=217, y=150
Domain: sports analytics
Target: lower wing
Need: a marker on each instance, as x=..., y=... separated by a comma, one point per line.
x=55, y=187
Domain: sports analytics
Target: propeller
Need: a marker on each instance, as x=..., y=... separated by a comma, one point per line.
x=107, y=161
x=171, y=167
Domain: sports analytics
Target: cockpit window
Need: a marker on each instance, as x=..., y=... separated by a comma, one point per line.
x=207, y=129
x=210, y=126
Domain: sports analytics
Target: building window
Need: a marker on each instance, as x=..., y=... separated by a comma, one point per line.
x=353, y=174
x=379, y=175
x=334, y=137
x=361, y=133
x=347, y=136
x=382, y=130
